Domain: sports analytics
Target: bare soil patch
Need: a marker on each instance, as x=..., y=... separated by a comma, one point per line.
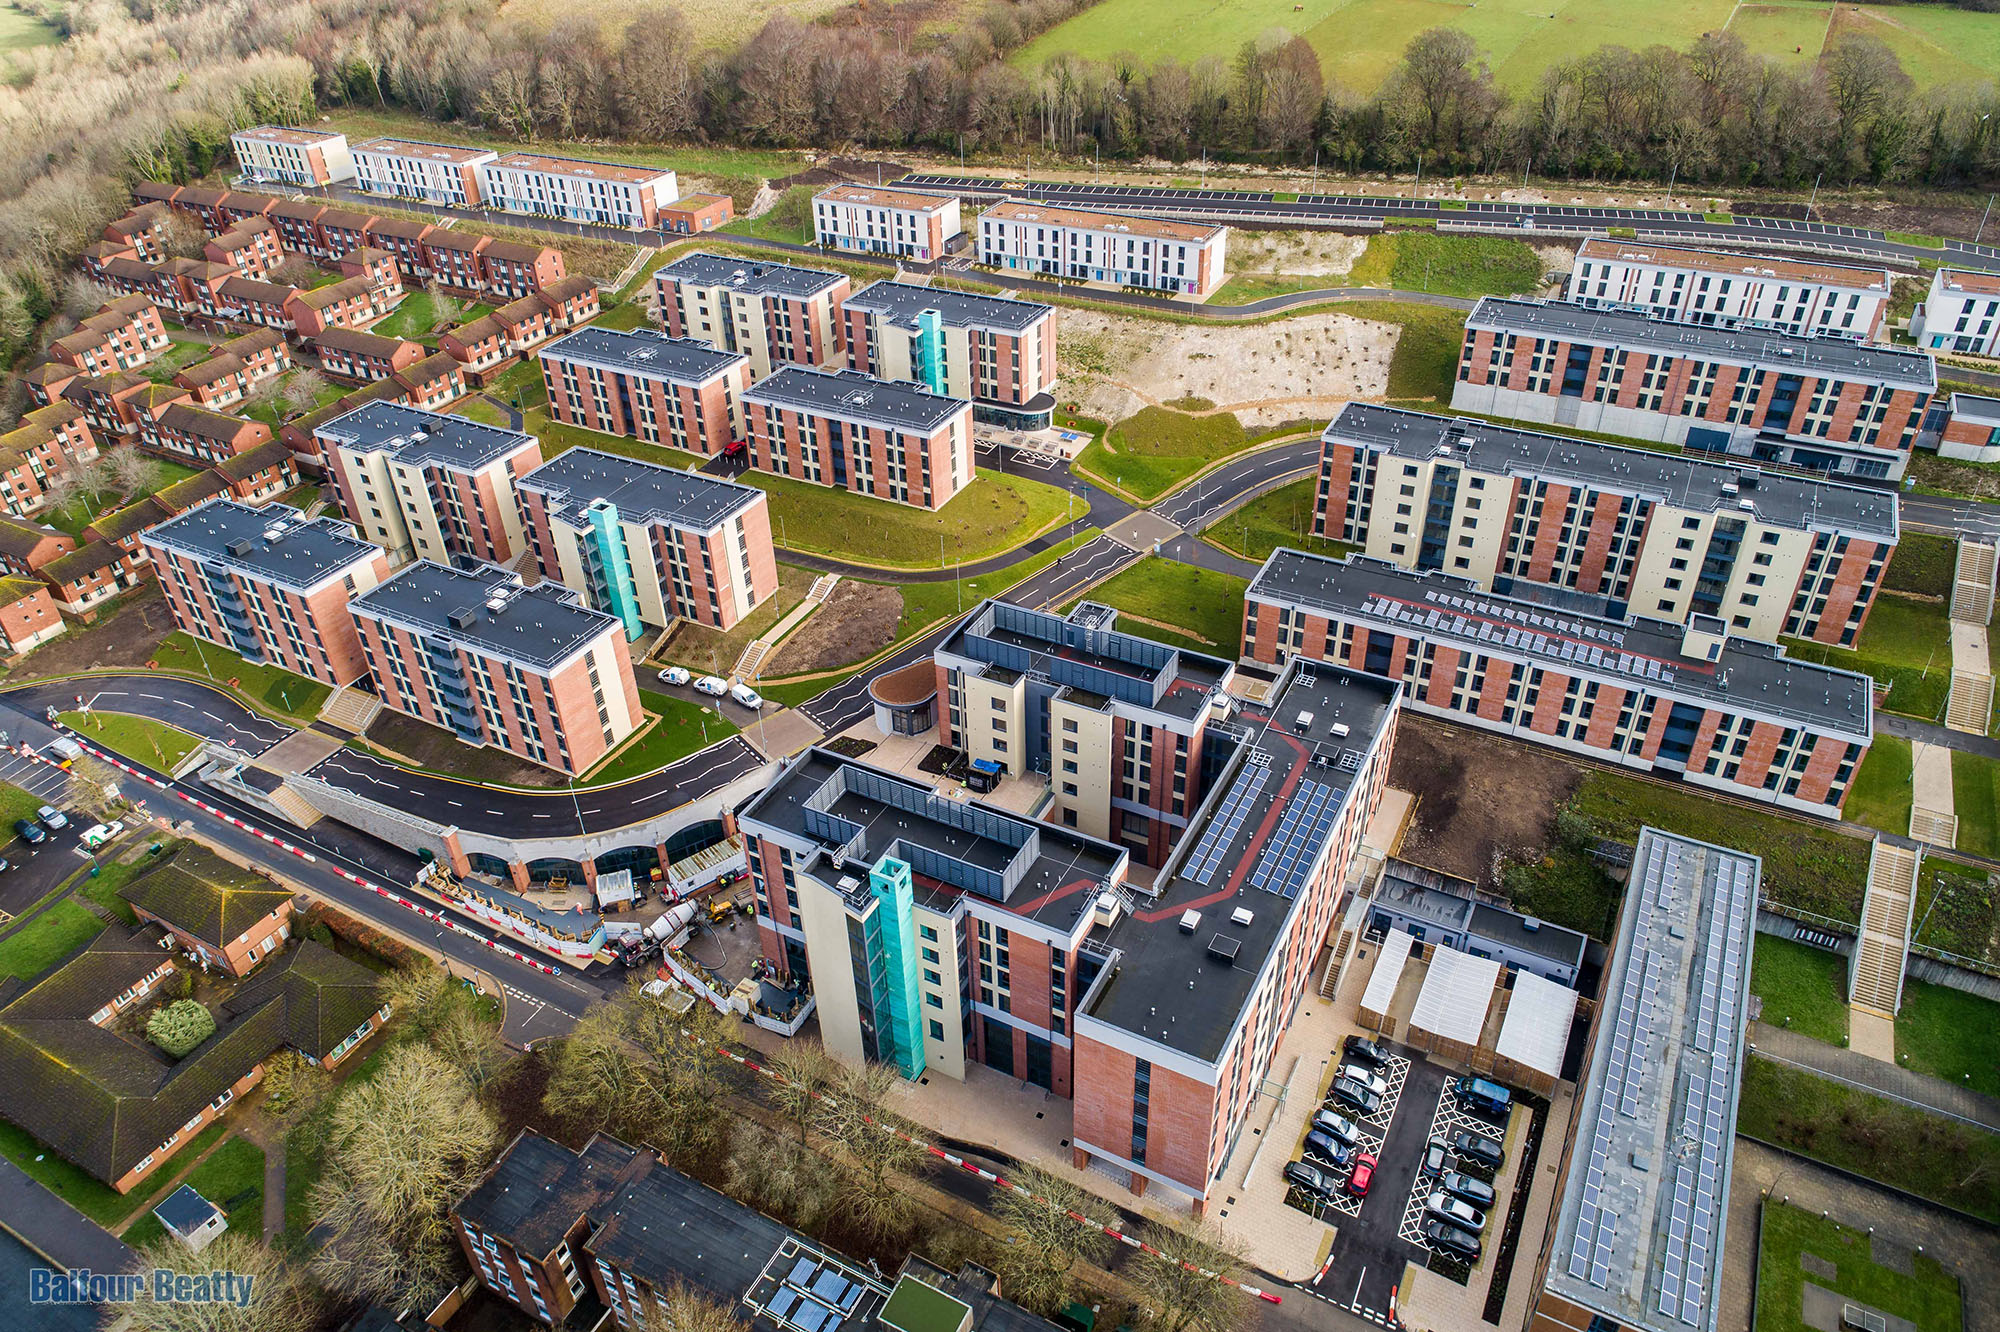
x=1294, y=253
x=1303, y=367
x=125, y=634
x=857, y=621
x=1481, y=800
x=834, y=170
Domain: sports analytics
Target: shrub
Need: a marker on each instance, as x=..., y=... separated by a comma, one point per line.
x=180, y=985
x=180, y=1026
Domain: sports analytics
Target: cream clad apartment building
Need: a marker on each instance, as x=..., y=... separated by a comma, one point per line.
x=439, y=173
x=1771, y=554
x=998, y=352
x=1719, y=287
x=776, y=314
x=424, y=485
x=294, y=156
x=1960, y=313
x=874, y=220
x=611, y=193
x=1117, y=249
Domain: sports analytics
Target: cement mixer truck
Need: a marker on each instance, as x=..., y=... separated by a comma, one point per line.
x=667, y=931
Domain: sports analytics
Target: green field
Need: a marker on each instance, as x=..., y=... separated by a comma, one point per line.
x=141, y=739
x=1925, y=1295
x=22, y=31
x=1804, y=989
x=1179, y=605
x=1360, y=41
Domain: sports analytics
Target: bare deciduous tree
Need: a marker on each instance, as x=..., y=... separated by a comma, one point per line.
x=649, y=1074
x=807, y=1074
x=294, y=1087
x=1048, y=1239
x=874, y=1151
x=279, y=1299
x=304, y=388
x=684, y=1309
x=131, y=473
x=1179, y=1286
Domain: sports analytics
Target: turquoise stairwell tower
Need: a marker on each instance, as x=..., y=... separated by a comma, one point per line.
x=930, y=350
x=897, y=1037
x=609, y=539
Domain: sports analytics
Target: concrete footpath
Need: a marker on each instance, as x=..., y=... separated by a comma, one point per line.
x=1875, y=1075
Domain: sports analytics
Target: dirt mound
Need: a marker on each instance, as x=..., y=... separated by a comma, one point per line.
x=833, y=170
x=857, y=621
x=1481, y=800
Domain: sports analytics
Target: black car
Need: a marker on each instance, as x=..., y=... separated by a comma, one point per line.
x=1437, y=1155
x=1363, y=1049
x=30, y=831
x=1475, y=1191
x=1475, y=1150
x=1322, y=1147
x=1443, y=1235
x=1311, y=1179
x=1354, y=1096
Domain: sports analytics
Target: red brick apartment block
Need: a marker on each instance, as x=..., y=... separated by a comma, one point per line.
x=643, y=384
x=1001, y=353
x=894, y=441
x=777, y=314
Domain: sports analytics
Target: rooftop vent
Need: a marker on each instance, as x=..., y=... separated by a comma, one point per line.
x=1241, y=916
x=1340, y=730
x=464, y=618
x=1530, y=924
x=1223, y=949
x=1304, y=721
x=241, y=546
x=1189, y=920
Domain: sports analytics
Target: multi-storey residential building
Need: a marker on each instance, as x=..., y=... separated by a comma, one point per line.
x=49, y=441
x=427, y=486
x=354, y=302
x=1721, y=712
x=438, y=173
x=1960, y=313
x=1971, y=430
x=895, y=441
x=938, y=932
x=1719, y=287
x=530, y=670
x=252, y=247
x=1117, y=725
x=268, y=585
x=1634, y=1249
x=1120, y=249
x=1823, y=403
x=612, y=193
x=673, y=391
x=294, y=156
x=124, y=334
x=1770, y=553
x=873, y=220
x=650, y=544
x=777, y=314
x=491, y=341
x=348, y=353
x=998, y=352
x=206, y=437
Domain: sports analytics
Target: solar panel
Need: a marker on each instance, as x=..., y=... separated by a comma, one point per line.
x=1289, y=855
x=1228, y=818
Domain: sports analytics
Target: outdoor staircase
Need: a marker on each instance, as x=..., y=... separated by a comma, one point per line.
x=1876, y=981
x=753, y=657
x=1972, y=583
x=350, y=709
x=1932, y=828
x=293, y=806
x=758, y=652
x=822, y=588
x=1971, y=702
x=1336, y=965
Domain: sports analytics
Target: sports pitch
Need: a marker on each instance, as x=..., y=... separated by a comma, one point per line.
x=1360, y=41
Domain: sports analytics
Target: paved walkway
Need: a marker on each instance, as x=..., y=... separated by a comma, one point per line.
x=1885, y=1079
x=1888, y=723
x=1933, y=810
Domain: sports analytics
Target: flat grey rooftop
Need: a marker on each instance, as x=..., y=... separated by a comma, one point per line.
x=1975, y=407
x=273, y=544
x=1639, y=1231
x=642, y=351
x=541, y=626
x=1089, y=658
x=416, y=437
x=900, y=302
x=1638, y=330
x=756, y=276
x=851, y=395
x=1749, y=677
x=1257, y=835
x=643, y=492
x=1685, y=481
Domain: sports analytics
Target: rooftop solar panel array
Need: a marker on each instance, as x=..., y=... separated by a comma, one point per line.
x=1228, y=819
x=1521, y=629
x=816, y=1294
x=1288, y=855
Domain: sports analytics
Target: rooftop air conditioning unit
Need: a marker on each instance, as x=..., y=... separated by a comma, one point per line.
x=1223, y=949
x=1189, y=920
x=1241, y=916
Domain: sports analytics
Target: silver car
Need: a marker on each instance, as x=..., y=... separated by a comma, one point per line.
x=1457, y=1211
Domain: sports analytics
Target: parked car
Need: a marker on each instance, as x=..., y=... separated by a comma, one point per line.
x=1338, y=1127
x=675, y=675
x=1457, y=1211
x=1373, y=1081
x=52, y=818
x=1475, y=1191
x=1437, y=1155
x=747, y=696
x=1362, y=1049
x=1311, y=1179
x=1478, y=1151
x=1445, y=1236
x=99, y=833
x=1488, y=1099
x=713, y=685
x=1363, y=1176
x=1355, y=1097
x=1322, y=1147
x=29, y=831
x=5, y=864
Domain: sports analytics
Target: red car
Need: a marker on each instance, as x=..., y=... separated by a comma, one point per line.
x=736, y=448
x=1363, y=1176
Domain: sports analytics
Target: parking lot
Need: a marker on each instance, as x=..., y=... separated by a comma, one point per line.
x=34, y=870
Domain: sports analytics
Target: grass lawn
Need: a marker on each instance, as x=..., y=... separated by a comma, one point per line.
x=1950, y=1034
x=1883, y=1140
x=141, y=739
x=474, y=407
x=1881, y=797
x=136, y=859
x=521, y=382
x=683, y=728
x=1206, y=606
x=1150, y=453
x=1955, y=910
x=1975, y=793
x=1425, y=361
x=1926, y=1296
x=1905, y=643
x=1806, y=865
x=627, y=316
x=1284, y=517
x=1803, y=988
x=790, y=219
x=713, y=652
x=47, y=940
x=22, y=31
x=1249, y=288
x=558, y=437
x=420, y=315
x=279, y=691
x=1922, y=565
x=1468, y=266
x=162, y=369
x=990, y=517
x=16, y=804
x=232, y=1178
x=98, y=1201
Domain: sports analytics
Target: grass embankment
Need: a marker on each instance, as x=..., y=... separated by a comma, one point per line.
x=1880, y=797
x=276, y=690
x=1905, y=644
x=141, y=739
x=1926, y=1295
x=1179, y=605
x=1951, y=1035
x=1804, y=989
x=682, y=728
x=1282, y=518
x=1447, y=265
x=712, y=652
x=1158, y=449
x=1975, y=791
x=1956, y=910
